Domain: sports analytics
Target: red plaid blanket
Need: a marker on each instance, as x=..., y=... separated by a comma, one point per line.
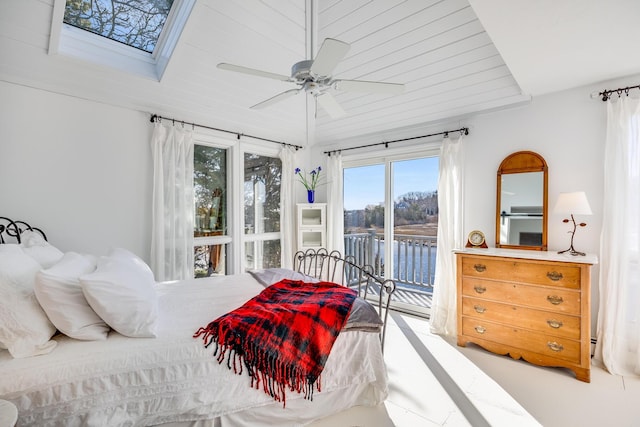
x=283, y=336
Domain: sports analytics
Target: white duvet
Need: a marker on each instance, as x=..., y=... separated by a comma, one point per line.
x=173, y=378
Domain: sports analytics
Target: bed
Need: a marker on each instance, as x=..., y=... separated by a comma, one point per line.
x=172, y=378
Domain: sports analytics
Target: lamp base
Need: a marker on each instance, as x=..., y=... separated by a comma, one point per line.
x=572, y=252
x=573, y=233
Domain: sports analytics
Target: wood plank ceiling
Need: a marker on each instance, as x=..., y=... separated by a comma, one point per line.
x=437, y=48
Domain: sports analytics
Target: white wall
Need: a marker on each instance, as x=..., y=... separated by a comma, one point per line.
x=568, y=129
x=79, y=169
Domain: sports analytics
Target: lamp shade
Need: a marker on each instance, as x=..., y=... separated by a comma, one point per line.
x=575, y=203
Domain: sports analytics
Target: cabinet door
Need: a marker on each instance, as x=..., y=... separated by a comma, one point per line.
x=311, y=226
x=311, y=215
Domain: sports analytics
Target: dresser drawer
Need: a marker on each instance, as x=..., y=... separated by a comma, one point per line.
x=559, y=324
x=539, y=273
x=547, y=345
x=546, y=298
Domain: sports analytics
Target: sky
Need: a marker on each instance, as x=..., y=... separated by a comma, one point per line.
x=365, y=185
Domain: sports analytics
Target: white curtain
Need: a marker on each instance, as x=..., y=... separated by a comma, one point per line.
x=287, y=206
x=173, y=206
x=618, y=330
x=335, y=209
x=450, y=213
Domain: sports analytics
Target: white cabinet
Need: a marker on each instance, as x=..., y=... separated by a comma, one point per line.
x=311, y=226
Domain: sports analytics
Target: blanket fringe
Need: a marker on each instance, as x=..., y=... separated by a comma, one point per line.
x=274, y=375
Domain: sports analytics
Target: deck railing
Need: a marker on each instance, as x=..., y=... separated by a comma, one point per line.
x=413, y=257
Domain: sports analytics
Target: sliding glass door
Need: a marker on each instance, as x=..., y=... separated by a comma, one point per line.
x=391, y=222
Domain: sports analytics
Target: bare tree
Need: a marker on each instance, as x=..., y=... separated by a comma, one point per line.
x=137, y=23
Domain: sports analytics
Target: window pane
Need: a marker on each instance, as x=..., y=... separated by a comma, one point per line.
x=364, y=215
x=262, y=254
x=209, y=186
x=136, y=23
x=415, y=219
x=210, y=260
x=261, y=194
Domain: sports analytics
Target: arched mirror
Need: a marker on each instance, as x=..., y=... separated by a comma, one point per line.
x=521, y=207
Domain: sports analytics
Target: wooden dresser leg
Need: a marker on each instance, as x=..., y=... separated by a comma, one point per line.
x=583, y=374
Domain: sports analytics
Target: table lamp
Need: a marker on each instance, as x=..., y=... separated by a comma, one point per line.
x=572, y=204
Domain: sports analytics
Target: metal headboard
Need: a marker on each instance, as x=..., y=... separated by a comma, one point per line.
x=11, y=230
x=333, y=267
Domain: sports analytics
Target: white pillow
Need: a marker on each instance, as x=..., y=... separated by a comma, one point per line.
x=6, y=248
x=24, y=327
x=122, y=291
x=59, y=293
x=269, y=276
x=34, y=245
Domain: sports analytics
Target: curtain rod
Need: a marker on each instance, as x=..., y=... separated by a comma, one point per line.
x=606, y=94
x=155, y=117
x=386, y=143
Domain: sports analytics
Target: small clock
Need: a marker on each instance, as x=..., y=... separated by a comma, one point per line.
x=476, y=240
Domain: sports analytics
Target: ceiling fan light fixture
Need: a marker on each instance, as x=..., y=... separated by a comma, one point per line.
x=300, y=70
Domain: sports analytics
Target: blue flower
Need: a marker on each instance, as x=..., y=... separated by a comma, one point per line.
x=312, y=182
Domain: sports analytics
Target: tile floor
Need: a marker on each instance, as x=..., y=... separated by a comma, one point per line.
x=433, y=382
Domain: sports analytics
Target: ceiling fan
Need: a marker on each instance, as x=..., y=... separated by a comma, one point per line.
x=314, y=77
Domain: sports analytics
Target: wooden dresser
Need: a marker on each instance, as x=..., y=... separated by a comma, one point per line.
x=533, y=305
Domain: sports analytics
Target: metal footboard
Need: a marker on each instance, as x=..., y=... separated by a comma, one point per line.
x=333, y=267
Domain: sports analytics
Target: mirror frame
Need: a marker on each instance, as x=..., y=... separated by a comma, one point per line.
x=523, y=162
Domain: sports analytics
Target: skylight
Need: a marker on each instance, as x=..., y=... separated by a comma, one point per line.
x=136, y=23
x=135, y=36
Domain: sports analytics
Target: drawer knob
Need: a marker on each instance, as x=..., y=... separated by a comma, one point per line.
x=555, y=324
x=554, y=299
x=480, y=329
x=479, y=289
x=479, y=309
x=554, y=275
x=479, y=267
x=554, y=346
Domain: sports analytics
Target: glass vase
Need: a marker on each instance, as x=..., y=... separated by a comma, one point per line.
x=311, y=196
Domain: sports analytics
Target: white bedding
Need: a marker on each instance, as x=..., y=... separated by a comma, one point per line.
x=173, y=378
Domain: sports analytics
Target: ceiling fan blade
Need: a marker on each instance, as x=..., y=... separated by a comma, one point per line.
x=253, y=72
x=330, y=53
x=369, y=87
x=279, y=97
x=330, y=105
